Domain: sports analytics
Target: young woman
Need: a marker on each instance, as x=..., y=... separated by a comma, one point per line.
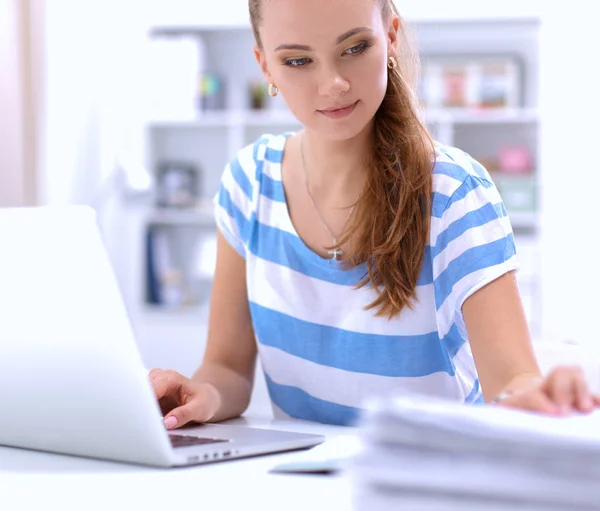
x=357, y=257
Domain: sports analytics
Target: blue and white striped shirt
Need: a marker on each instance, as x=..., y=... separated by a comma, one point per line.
x=322, y=353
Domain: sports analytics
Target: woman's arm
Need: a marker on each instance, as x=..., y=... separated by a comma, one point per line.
x=504, y=356
x=230, y=356
x=221, y=388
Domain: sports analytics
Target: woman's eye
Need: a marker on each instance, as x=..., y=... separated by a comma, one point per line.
x=297, y=62
x=356, y=50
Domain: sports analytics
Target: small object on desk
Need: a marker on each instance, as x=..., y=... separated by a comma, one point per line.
x=326, y=458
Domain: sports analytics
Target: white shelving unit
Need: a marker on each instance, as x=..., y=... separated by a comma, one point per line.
x=231, y=129
x=211, y=138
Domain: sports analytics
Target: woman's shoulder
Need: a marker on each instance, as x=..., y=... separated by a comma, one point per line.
x=453, y=167
x=267, y=147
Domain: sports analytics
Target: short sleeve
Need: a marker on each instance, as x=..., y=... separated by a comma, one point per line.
x=235, y=199
x=472, y=244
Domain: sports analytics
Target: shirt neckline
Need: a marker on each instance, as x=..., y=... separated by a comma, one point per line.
x=306, y=251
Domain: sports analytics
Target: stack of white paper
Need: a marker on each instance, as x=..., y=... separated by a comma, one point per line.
x=459, y=457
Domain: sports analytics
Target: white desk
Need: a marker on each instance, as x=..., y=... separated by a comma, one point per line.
x=41, y=481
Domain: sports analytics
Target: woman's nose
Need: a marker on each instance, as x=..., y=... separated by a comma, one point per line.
x=334, y=85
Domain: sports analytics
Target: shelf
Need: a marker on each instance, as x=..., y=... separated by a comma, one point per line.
x=175, y=29
x=229, y=119
x=203, y=120
x=200, y=217
x=233, y=118
x=273, y=117
x=192, y=311
x=524, y=220
x=484, y=116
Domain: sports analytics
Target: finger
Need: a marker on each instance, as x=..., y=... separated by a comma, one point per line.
x=153, y=373
x=584, y=400
x=199, y=407
x=560, y=388
x=533, y=401
x=167, y=385
x=194, y=411
x=167, y=404
x=179, y=416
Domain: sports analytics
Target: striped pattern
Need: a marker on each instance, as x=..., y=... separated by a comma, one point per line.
x=322, y=353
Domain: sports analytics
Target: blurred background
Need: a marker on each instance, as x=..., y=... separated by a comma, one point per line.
x=134, y=107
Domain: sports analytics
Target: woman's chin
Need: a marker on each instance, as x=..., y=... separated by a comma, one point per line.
x=341, y=131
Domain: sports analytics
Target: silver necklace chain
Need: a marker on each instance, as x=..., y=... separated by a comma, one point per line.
x=336, y=251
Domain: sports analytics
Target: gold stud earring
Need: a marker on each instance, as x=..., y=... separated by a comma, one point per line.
x=392, y=63
x=273, y=90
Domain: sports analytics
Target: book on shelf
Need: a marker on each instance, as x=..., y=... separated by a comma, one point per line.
x=177, y=277
x=165, y=283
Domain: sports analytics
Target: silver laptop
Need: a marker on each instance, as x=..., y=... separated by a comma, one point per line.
x=71, y=378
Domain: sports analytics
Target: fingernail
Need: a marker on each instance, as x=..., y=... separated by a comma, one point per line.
x=171, y=422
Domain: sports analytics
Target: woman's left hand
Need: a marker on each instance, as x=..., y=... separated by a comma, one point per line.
x=563, y=391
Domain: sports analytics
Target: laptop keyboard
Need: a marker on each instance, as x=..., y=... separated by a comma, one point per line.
x=188, y=440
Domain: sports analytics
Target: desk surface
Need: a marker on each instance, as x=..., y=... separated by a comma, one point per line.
x=36, y=480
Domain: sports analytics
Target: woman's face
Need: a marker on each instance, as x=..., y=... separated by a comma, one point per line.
x=329, y=59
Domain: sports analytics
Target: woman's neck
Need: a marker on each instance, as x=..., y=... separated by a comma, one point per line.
x=332, y=167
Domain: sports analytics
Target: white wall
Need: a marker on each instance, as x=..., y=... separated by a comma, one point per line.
x=570, y=111
x=235, y=12
x=88, y=89
x=92, y=110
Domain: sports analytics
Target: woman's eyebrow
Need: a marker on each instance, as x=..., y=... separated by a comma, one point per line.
x=340, y=39
x=350, y=33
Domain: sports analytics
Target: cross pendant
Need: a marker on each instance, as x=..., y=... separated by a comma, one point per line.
x=335, y=253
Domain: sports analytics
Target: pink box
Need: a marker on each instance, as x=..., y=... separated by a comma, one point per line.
x=515, y=159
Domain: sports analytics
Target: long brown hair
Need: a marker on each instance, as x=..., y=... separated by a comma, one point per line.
x=390, y=224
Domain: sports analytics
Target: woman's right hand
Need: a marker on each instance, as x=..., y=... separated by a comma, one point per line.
x=183, y=400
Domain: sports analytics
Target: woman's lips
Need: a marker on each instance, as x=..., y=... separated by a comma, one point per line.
x=339, y=112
